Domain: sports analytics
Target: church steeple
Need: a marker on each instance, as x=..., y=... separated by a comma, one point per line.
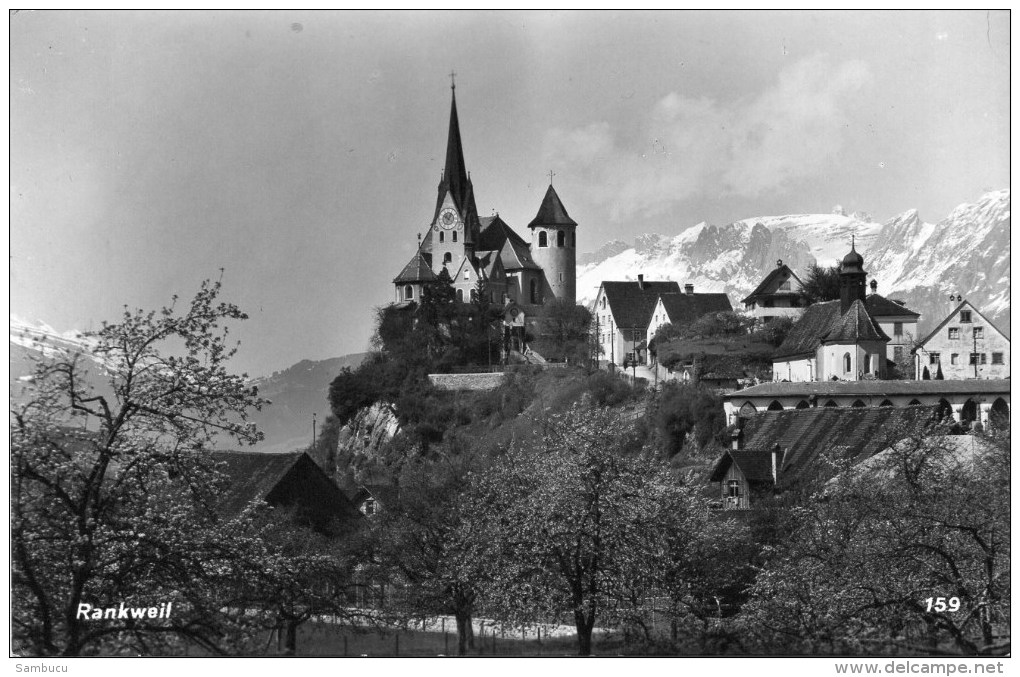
x=456, y=181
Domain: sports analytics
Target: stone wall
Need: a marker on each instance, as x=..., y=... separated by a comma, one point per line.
x=466, y=381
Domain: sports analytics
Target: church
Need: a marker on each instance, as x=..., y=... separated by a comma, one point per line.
x=514, y=271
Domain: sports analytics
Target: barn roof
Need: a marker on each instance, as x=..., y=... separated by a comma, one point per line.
x=809, y=436
x=279, y=479
x=632, y=302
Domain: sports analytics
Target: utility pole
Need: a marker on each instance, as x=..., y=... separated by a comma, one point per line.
x=974, y=355
x=313, y=429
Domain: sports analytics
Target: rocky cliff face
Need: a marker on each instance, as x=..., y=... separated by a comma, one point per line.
x=922, y=263
x=369, y=430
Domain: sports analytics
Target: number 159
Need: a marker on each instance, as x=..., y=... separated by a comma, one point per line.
x=940, y=604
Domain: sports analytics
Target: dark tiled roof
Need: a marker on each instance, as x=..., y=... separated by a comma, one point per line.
x=879, y=306
x=853, y=326
x=514, y=251
x=756, y=465
x=776, y=277
x=842, y=434
x=252, y=476
x=873, y=388
x=552, y=212
x=685, y=308
x=291, y=479
x=632, y=304
x=805, y=334
x=418, y=269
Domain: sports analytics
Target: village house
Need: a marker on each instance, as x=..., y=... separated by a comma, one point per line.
x=844, y=340
x=965, y=345
x=778, y=295
x=897, y=321
x=626, y=314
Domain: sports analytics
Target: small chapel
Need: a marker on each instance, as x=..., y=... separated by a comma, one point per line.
x=515, y=272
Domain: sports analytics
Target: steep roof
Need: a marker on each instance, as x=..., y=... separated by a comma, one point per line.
x=514, y=250
x=291, y=479
x=685, y=308
x=874, y=388
x=853, y=326
x=552, y=212
x=807, y=436
x=755, y=465
x=949, y=318
x=805, y=334
x=456, y=179
x=879, y=306
x=632, y=302
x=768, y=286
x=418, y=269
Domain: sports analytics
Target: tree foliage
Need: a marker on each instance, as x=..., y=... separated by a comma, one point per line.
x=123, y=512
x=573, y=528
x=563, y=333
x=821, y=284
x=929, y=519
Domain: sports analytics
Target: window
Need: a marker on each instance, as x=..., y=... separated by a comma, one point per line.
x=897, y=352
x=474, y=296
x=543, y=239
x=573, y=239
x=867, y=363
x=934, y=358
x=454, y=236
x=954, y=359
x=561, y=277
x=442, y=236
x=467, y=275
x=996, y=358
x=733, y=488
x=408, y=292
x=964, y=316
x=447, y=257
x=984, y=358
x=846, y=363
x=561, y=238
x=954, y=333
x=974, y=358
x=534, y=287
x=979, y=332
x=897, y=329
x=603, y=303
x=785, y=286
x=369, y=507
x=460, y=295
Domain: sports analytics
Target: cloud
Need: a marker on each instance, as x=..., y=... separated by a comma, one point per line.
x=763, y=144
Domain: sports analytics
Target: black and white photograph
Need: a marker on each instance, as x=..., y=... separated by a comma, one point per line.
x=507, y=335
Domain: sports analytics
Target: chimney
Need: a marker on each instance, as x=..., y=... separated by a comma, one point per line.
x=688, y=289
x=874, y=286
x=736, y=438
x=641, y=281
x=777, y=459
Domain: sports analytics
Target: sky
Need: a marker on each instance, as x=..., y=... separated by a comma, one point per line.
x=300, y=151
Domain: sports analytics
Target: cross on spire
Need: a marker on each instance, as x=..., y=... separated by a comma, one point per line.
x=551, y=175
x=453, y=81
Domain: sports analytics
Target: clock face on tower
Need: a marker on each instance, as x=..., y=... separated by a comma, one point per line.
x=447, y=218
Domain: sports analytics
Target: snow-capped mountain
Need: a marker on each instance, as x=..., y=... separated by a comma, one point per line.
x=921, y=263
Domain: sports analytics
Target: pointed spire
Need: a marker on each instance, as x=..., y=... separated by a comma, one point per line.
x=552, y=212
x=455, y=173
